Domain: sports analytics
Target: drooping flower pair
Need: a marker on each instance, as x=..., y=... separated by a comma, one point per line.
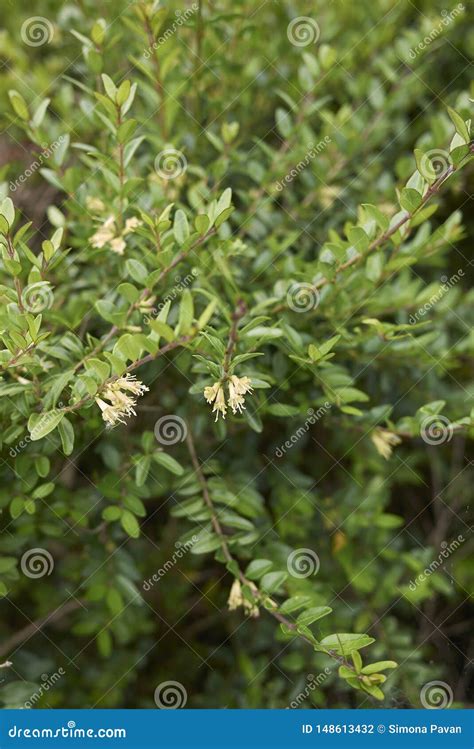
x=108, y=234
x=237, y=387
x=120, y=403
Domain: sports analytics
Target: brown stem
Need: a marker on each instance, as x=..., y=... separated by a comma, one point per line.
x=237, y=315
x=25, y=633
x=260, y=598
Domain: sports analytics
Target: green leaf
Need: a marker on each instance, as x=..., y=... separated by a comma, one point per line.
x=206, y=542
x=257, y=568
x=66, y=432
x=375, y=668
x=180, y=227
x=312, y=615
x=168, y=462
x=273, y=581
x=130, y=524
x=186, y=312
x=344, y=643
x=19, y=105
x=39, y=425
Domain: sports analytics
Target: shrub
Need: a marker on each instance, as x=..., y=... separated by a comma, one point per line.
x=235, y=354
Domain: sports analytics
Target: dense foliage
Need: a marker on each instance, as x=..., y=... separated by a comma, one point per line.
x=237, y=354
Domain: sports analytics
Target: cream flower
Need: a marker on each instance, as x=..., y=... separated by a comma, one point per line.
x=108, y=234
x=112, y=416
x=236, y=401
x=241, y=385
x=104, y=234
x=219, y=406
x=130, y=382
x=117, y=245
x=211, y=392
x=120, y=404
x=384, y=441
x=237, y=387
x=236, y=599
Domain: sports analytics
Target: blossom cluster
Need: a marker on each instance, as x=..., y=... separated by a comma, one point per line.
x=237, y=387
x=121, y=403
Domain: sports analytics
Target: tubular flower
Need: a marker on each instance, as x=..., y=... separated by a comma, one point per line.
x=241, y=385
x=215, y=394
x=236, y=599
x=384, y=441
x=109, y=234
x=120, y=403
x=237, y=386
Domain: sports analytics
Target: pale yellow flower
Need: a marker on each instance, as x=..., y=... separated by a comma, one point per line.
x=384, y=441
x=211, y=392
x=108, y=234
x=219, y=406
x=120, y=403
x=241, y=385
x=104, y=234
x=236, y=599
x=117, y=245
